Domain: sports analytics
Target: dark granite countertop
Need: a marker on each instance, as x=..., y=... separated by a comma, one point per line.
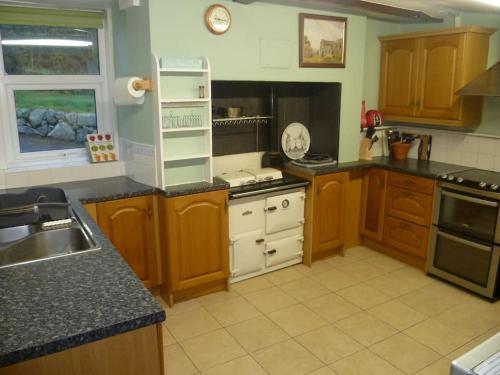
x=423, y=168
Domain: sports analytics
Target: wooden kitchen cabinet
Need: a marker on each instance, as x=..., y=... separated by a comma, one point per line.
x=329, y=209
x=195, y=244
x=372, y=203
x=130, y=226
x=409, y=205
x=405, y=236
x=421, y=73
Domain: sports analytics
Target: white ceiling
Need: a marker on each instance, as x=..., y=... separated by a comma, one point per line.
x=436, y=7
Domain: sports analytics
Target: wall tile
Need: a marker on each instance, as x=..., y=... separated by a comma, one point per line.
x=485, y=162
x=496, y=164
x=16, y=179
x=469, y=159
x=471, y=144
x=488, y=146
x=40, y=177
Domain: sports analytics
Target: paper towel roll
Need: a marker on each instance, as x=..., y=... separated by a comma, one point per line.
x=125, y=94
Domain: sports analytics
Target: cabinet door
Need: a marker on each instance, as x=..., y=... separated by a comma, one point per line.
x=198, y=241
x=440, y=76
x=405, y=236
x=409, y=205
x=329, y=208
x=398, y=74
x=372, y=204
x=129, y=224
x=247, y=253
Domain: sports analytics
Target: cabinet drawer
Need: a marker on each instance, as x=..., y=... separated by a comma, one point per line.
x=246, y=217
x=420, y=184
x=284, y=250
x=409, y=205
x=405, y=236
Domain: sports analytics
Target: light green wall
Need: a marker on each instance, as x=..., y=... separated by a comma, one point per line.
x=178, y=30
x=132, y=55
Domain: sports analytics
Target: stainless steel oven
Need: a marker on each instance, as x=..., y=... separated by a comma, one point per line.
x=465, y=239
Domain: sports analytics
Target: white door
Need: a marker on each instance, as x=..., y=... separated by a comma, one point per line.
x=284, y=211
x=284, y=250
x=246, y=216
x=247, y=253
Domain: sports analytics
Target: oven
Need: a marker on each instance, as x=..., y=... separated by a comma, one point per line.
x=465, y=239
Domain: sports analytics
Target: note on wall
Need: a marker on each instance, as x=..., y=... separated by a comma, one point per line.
x=275, y=53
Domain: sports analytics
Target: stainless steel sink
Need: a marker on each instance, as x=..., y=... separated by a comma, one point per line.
x=29, y=243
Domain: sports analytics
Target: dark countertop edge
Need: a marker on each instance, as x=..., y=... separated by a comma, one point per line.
x=106, y=198
x=71, y=342
x=362, y=164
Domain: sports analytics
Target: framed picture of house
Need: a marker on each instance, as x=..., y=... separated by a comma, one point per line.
x=322, y=41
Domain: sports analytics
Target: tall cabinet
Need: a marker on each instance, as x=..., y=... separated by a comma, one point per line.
x=183, y=112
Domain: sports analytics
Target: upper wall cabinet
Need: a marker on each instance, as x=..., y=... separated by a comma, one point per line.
x=421, y=73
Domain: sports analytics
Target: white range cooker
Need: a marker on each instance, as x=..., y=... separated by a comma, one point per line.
x=266, y=221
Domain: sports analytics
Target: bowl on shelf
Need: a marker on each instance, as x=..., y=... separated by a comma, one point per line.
x=233, y=112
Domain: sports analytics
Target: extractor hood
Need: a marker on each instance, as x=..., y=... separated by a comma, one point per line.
x=487, y=84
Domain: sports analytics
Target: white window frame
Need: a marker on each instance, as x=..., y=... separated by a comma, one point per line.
x=106, y=119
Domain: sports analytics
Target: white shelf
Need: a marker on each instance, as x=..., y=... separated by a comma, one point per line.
x=182, y=70
x=186, y=157
x=168, y=102
x=193, y=129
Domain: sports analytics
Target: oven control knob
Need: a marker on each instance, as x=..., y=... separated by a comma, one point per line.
x=460, y=180
x=444, y=177
x=482, y=184
x=451, y=178
x=494, y=187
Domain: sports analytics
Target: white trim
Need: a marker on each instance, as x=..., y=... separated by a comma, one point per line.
x=10, y=156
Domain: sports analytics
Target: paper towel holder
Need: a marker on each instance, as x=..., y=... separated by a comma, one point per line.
x=143, y=84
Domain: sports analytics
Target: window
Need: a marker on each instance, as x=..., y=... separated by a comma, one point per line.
x=53, y=84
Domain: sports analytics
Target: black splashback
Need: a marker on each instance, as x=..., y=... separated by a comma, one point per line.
x=314, y=104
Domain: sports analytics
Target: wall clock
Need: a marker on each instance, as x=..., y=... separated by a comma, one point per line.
x=218, y=19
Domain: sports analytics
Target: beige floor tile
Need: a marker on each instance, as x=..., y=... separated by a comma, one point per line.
x=364, y=296
x=241, y=366
x=252, y=285
x=212, y=349
x=224, y=295
x=472, y=344
x=287, y=358
x=182, y=307
x=397, y=314
x=361, y=270
x=384, y=262
x=316, y=267
x=361, y=252
x=269, y=300
x=298, y=319
x=304, y=289
x=437, y=336
x=191, y=323
x=177, y=362
x=394, y=285
x=283, y=276
x=464, y=318
x=323, y=371
x=365, y=328
x=405, y=353
x=413, y=274
x=329, y=344
x=441, y=367
x=332, y=307
x=257, y=333
x=168, y=339
x=335, y=279
x=339, y=260
x=364, y=363
x=430, y=300
x=233, y=311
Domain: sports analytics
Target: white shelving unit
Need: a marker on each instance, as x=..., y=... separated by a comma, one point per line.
x=183, y=124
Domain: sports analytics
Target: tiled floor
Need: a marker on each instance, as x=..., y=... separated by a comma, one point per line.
x=364, y=313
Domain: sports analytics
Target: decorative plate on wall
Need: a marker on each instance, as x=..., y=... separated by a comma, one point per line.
x=295, y=140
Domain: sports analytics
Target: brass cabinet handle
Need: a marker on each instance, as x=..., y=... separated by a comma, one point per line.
x=260, y=240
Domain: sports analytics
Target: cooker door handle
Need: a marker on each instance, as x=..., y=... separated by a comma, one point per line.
x=271, y=252
x=464, y=242
x=466, y=198
x=271, y=209
x=260, y=240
